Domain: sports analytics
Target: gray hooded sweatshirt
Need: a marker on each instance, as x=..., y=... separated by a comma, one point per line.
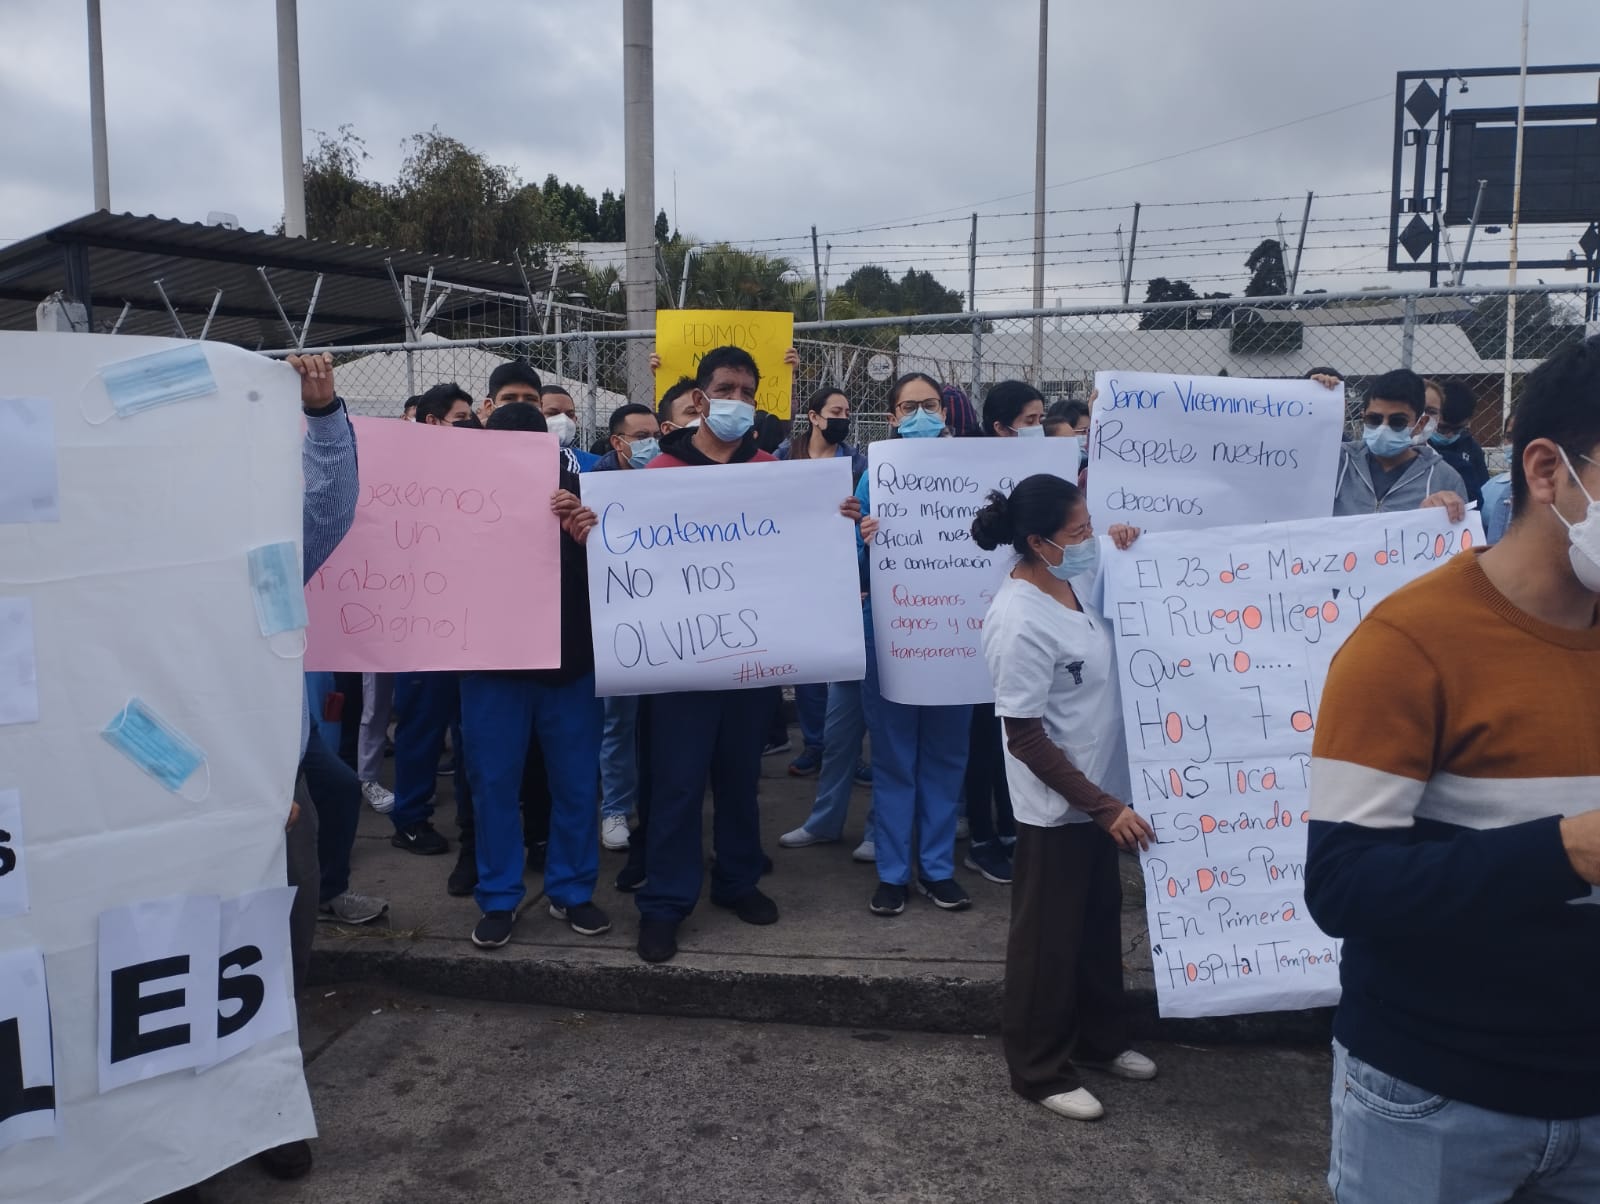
x=1426, y=474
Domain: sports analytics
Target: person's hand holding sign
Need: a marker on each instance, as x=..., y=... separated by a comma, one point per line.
x=1450, y=500
x=575, y=518
x=316, y=380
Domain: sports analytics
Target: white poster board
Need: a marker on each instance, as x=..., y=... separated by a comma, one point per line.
x=1224, y=638
x=931, y=585
x=139, y=587
x=1170, y=453
x=723, y=577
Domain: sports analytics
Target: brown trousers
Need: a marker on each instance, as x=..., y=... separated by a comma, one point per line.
x=1063, y=993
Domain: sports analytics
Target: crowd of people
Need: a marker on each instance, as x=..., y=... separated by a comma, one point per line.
x=1410, y=838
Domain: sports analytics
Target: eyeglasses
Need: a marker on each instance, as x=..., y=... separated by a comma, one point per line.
x=932, y=405
x=1396, y=422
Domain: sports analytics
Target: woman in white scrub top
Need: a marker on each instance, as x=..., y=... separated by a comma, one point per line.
x=1055, y=687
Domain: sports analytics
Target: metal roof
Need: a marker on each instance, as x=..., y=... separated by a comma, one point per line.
x=116, y=258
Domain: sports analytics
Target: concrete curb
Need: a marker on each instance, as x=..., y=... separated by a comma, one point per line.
x=830, y=994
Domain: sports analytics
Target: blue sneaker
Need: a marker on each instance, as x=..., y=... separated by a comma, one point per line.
x=806, y=764
x=990, y=859
x=863, y=775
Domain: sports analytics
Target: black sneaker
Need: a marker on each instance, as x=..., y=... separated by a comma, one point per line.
x=420, y=838
x=291, y=1161
x=464, y=878
x=658, y=939
x=584, y=918
x=991, y=860
x=493, y=929
x=887, y=900
x=945, y=894
x=754, y=908
x=631, y=878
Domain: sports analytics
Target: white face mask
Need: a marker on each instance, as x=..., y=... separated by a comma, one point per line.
x=1583, y=535
x=1428, y=432
x=562, y=427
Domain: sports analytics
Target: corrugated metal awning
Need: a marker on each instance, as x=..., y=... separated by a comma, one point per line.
x=118, y=257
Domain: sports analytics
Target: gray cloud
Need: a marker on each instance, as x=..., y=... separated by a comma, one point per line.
x=774, y=117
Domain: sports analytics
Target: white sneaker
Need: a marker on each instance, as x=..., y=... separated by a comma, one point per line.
x=614, y=832
x=379, y=798
x=1075, y=1105
x=800, y=838
x=1129, y=1064
x=865, y=851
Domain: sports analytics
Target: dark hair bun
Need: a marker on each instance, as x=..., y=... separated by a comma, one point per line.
x=991, y=526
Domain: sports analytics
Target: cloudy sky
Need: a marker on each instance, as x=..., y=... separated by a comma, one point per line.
x=885, y=123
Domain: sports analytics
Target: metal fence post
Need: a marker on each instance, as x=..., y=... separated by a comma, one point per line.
x=591, y=380
x=1408, y=332
x=977, y=358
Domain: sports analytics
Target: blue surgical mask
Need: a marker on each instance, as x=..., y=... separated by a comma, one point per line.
x=1028, y=432
x=1384, y=441
x=1077, y=559
x=642, y=451
x=146, y=381
x=730, y=419
x=154, y=745
x=1439, y=440
x=275, y=580
x=922, y=425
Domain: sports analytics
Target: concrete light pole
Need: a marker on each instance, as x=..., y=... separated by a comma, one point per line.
x=97, y=112
x=294, y=180
x=639, y=181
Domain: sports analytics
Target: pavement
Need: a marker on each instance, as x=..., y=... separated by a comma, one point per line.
x=424, y=1098
x=827, y=961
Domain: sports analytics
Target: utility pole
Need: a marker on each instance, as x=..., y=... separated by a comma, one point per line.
x=639, y=179
x=1038, y=191
x=1294, y=272
x=1133, y=246
x=1516, y=217
x=97, y=112
x=972, y=267
x=816, y=271
x=1472, y=228
x=294, y=179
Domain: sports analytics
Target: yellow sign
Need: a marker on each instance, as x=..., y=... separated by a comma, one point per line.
x=684, y=335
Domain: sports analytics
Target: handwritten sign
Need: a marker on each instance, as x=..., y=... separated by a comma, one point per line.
x=453, y=559
x=1224, y=638
x=725, y=577
x=931, y=585
x=1170, y=453
x=684, y=335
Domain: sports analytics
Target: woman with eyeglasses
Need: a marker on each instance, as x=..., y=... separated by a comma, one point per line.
x=1055, y=686
x=919, y=753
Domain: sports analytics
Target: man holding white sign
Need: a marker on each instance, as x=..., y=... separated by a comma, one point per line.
x=690, y=733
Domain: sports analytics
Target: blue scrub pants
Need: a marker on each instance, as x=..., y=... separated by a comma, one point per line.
x=619, y=763
x=425, y=705
x=841, y=752
x=498, y=711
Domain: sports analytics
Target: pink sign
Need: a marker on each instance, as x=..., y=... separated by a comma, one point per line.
x=454, y=558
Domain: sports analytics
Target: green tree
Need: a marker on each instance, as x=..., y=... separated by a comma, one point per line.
x=1161, y=289
x=1268, y=278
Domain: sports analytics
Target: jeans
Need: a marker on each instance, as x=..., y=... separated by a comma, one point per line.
x=846, y=724
x=318, y=687
x=619, y=765
x=811, y=703
x=919, y=757
x=336, y=791
x=425, y=705
x=1395, y=1141
x=377, y=701
x=497, y=713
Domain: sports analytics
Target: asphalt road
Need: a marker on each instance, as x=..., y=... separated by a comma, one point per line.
x=424, y=1099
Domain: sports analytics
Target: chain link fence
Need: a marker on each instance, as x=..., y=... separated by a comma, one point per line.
x=1445, y=334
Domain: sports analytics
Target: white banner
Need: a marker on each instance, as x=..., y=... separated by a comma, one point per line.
x=1170, y=453
x=1224, y=638
x=723, y=577
x=138, y=587
x=931, y=585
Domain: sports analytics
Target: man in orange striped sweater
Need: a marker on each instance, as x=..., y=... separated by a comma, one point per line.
x=1454, y=845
